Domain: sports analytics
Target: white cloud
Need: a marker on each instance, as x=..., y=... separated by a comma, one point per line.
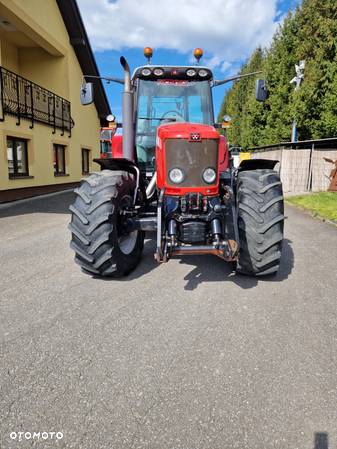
x=212, y=62
x=227, y=30
x=225, y=65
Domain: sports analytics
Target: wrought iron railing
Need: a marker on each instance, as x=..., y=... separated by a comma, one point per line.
x=26, y=100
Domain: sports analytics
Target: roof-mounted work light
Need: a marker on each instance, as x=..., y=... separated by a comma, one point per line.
x=198, y=54
x=148, y=52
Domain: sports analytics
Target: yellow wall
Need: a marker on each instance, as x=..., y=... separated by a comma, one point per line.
x=51, y=62
x=9, y=56
x=46, y=70
x=43, y=15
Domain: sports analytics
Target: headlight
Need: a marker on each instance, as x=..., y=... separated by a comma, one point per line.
x=146, y=72
x=176, y=175
x=209, y=175
x=191, y=72
x=203, y=73
x=158, y=72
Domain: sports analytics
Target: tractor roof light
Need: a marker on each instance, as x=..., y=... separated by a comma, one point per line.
x=146, y=72
x=158, y=71
x=191, y=72
x=148, y=53
x=198, y=54
x=202, y=73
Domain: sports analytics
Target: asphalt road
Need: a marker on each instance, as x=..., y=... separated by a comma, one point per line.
x=184, y=355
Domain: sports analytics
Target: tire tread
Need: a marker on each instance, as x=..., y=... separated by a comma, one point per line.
x=260, y=222
x=94, y=238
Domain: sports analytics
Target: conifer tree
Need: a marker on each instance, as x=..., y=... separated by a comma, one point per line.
x=308, y=33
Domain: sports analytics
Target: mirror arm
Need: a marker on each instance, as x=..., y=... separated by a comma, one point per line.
x=233, y=78
x=106, y=78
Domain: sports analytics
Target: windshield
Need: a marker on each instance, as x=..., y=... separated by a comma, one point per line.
x=166, y=101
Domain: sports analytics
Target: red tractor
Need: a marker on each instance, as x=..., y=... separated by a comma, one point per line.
x=111, y=145
x=175, y=178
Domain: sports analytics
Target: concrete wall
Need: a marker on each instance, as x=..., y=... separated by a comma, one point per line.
x=301, y=170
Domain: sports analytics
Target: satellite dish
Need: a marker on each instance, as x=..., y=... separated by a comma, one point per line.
x=226, y=118
x=110, y=118
x=302, y=64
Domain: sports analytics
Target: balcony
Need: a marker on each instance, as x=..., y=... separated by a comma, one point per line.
x=29, y=101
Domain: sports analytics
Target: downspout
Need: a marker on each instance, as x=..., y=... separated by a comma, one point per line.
x=127, y=114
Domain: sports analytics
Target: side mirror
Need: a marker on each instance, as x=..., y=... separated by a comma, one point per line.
x=87, y=93
x=261, y=91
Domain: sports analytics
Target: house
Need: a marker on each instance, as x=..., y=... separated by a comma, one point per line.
x=47, y=138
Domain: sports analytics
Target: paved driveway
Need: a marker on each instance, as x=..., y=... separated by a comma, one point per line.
x=184, y=355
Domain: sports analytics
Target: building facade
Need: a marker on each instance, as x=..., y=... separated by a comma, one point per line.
x=47, y=138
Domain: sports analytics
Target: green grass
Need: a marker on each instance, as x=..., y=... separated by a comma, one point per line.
x=323, y=204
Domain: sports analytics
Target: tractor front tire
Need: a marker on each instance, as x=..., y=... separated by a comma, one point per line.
x=102, y=245
x=260, y=222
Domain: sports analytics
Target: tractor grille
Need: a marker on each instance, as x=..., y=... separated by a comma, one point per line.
x=193, y=158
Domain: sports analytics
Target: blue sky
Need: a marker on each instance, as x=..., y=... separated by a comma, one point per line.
x=227, y=30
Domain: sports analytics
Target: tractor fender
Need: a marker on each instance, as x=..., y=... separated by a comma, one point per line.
x=112, y=163
x=257, y=164
x=116, y=164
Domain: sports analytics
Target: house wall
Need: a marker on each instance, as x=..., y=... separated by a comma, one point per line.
x=38, y=48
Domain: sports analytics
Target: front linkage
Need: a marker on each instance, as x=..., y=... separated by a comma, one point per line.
x=195, y=224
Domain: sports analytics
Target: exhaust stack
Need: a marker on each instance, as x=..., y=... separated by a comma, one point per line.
x=127, y=113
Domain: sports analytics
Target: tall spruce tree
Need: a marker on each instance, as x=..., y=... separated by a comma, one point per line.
x=309, y=33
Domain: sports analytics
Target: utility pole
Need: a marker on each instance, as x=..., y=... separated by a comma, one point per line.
x=299, y=68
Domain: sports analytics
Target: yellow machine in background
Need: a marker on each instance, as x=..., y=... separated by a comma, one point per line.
x=244, y=155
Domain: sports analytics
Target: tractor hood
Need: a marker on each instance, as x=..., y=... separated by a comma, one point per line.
x=191, y=148
x=183, y=130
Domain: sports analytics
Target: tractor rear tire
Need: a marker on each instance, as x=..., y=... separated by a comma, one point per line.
x=260, y=222
x=99, y=238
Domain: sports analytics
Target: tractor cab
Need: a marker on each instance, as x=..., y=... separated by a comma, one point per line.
x=167, y=95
